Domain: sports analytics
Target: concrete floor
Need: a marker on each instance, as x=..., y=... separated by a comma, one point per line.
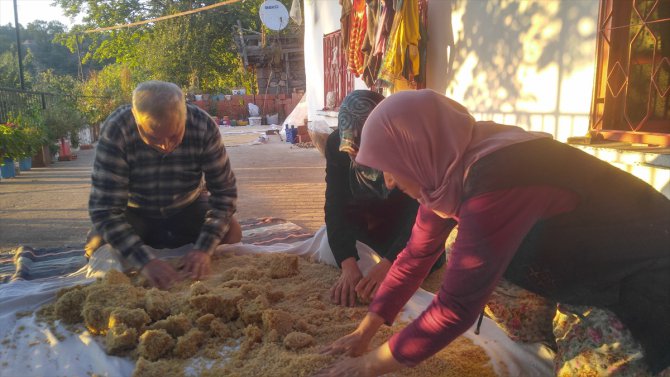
x=46, y=207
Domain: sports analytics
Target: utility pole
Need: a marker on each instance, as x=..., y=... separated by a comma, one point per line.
x=80, y=70
x=18, y=45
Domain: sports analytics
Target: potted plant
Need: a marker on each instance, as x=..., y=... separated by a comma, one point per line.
x=20, y=138
x=13, y=147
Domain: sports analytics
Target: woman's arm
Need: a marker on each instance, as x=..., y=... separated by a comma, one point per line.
x=491, y=228
x=413, y=264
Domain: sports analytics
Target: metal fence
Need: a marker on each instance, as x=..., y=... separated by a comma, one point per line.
x=13, y=101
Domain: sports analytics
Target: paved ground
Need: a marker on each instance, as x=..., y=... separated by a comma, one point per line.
x=48, y=206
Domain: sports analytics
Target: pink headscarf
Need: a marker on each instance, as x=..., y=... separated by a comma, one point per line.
x=426, y=137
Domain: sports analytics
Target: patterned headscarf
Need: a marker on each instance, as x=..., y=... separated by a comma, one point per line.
x=365, y=182
x=426, y=137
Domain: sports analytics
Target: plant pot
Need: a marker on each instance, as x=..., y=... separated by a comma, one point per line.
x=25, y=164
x=7, y=170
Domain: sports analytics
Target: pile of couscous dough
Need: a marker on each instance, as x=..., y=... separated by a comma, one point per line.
x=256, y=315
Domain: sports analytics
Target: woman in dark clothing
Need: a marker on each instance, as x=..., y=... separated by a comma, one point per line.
x=544, y=215
x=360, y=207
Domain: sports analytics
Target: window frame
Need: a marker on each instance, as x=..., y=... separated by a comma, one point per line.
x=613, y=60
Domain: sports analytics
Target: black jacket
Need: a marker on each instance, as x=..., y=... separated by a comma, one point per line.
x=383, y=224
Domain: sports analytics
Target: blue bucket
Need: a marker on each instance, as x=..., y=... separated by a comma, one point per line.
x=7, y=170
x=26, y=164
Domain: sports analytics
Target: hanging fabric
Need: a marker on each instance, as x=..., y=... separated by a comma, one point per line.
x=371, y=61
x=423, y=43
x=387, y=15
x=345, y=25
x=401, y=62
x=358, y=26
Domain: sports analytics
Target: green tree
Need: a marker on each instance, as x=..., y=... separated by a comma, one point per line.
x=39, y=39
x=9, y=66
x=104, y=91
x=62, y=115
x=195, y=51
x=9, y=70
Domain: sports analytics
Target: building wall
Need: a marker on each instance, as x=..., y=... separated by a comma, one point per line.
x=321, y=17
x=529, y=63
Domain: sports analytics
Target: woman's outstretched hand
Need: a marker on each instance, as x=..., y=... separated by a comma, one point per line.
x=349, y=367
x=379, y=361
x=351, y=344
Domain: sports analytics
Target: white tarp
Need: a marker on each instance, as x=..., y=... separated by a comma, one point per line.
x=32, y=349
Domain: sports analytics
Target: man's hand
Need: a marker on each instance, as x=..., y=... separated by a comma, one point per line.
x=343, y=292
x=367, y=286
x=197, y=264
x=160, y=274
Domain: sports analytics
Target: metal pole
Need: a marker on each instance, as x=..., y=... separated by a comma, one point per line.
x=18, y=45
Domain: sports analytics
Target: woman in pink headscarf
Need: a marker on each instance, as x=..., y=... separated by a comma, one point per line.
x=546, y=216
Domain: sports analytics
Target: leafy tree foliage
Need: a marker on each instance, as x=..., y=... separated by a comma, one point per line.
x=38, y=50
x=9, y=69
x=39, y=37
x=104, y=91
x=195, y=51
x=62, y=117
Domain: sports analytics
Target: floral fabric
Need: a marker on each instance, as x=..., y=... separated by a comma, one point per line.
x=521, y=314
x=588, y=341
x=594, y=342
x=358, y=25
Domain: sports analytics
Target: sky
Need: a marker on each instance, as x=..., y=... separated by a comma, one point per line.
x=31, y=10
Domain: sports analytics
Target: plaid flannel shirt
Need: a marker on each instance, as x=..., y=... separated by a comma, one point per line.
x=129, y=173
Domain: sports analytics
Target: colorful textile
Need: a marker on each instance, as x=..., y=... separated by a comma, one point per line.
x=402, y=49
x=373, y=60
x=27, y=263
x=521, y=314
x=357, y=33
x=345, y=25
x=594, y=342
x=384, y=26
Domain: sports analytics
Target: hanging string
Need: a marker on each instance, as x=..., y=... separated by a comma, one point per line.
x=227, y=2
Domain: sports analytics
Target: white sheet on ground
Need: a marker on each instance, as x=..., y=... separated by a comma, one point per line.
x=33, y=349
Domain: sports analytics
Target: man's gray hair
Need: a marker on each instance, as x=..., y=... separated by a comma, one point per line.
x=156, y=98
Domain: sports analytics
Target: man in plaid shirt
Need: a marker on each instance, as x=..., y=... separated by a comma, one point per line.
x=152, y=164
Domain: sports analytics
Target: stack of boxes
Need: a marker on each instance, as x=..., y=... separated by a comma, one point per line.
x=303, y=135
x=296, y=135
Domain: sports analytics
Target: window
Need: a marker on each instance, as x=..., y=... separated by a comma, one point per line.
x=338, y=82
x=631, y=101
